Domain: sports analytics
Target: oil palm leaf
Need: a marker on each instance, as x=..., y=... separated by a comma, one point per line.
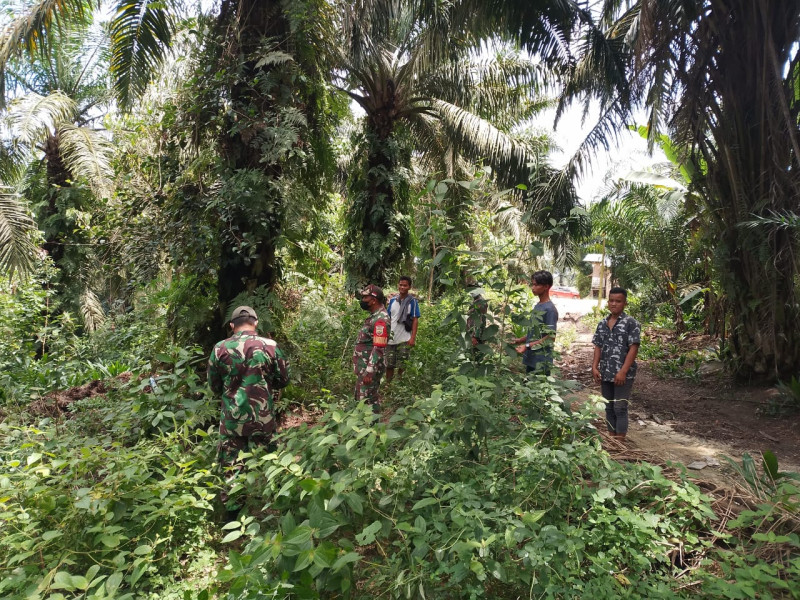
x=87, y=153
x=34, y=117
x=480, y=140
x=30, y=30
x=141, y=32
x=91, y=310
x=17, y=249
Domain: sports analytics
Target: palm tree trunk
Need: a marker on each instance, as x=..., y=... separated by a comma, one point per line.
x=753, y=169
x=246, y=24
x=379, y=235
x=58, y=177
x=764, y=337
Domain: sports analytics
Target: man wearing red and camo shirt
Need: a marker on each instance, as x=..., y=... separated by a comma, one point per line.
x=368, y=353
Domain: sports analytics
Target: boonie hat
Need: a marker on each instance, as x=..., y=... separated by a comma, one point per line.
x=374, y=291
x=243, y=312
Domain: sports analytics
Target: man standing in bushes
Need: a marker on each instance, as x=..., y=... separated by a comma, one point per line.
x=246, y=369
x=537, y=346
x=476, y=319
x=404, y=313
x=368, y=353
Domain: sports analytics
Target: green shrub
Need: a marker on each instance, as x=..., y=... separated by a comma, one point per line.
x=487, y=487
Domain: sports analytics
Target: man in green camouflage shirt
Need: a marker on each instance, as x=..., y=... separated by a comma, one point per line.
x=246, y=369
x=476, y=316
x=371, y=343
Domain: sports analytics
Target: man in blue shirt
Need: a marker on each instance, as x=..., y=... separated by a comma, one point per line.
x=537, y=346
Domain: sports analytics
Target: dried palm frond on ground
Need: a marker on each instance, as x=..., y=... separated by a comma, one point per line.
x=728, y=502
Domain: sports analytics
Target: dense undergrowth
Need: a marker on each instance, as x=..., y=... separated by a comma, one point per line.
x=475, y=483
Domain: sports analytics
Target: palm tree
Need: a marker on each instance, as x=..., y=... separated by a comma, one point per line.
x=722, y=78
x=424, y=92
x=53, y=118
x=140, y=34
x=650, y=235
x=58, y=157
x=265, y=101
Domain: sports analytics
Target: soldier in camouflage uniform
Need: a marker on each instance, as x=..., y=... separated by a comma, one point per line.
x=247, y=370
x=616, y=344
x=371, y=343
x=476, y=319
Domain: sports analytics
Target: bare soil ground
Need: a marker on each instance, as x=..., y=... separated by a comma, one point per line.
x=692, y=421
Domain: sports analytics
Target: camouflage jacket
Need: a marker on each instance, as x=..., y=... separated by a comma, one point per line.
x=371, y=343
x=246, y=369
x=614, y=345
x=476, y=317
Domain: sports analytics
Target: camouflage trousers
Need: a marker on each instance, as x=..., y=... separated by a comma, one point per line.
x=230, y=445
x=368, y=392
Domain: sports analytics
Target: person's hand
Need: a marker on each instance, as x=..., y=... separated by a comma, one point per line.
x=411, y=342
x=619, y=378
x=596, y=374
x=367, y=379
x=521, y=348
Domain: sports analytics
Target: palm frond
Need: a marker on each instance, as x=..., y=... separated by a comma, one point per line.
x=775, y=220
x=542, y=27
x=86, y=153
x=30, y=31
x=507, y=214
x=17, y=249
x=33, y=117
x=12, y=163
x=480, y=140
x=503, y=87
x=91, y=310
x=141, y=33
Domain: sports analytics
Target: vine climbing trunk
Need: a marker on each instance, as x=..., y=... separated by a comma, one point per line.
x=253, y=218
x=378, y=236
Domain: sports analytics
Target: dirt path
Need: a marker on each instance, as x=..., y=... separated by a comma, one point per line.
x=696, y=423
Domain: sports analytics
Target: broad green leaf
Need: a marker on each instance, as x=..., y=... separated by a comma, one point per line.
x=110, y=541
x=367, y=536
x=603, y=494
x=328, y=440
x=529, y=518
x=770, y=464
x=345, y=559
x=113, y=582
x=325, y=555
x=80, y=582
x=425, y=502
x=304, y=559
x=62, y=581
x=233, y=535
x=299, y=536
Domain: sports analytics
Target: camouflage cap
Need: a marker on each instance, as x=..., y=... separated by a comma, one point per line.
x=243, y=312
x=374, y=291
